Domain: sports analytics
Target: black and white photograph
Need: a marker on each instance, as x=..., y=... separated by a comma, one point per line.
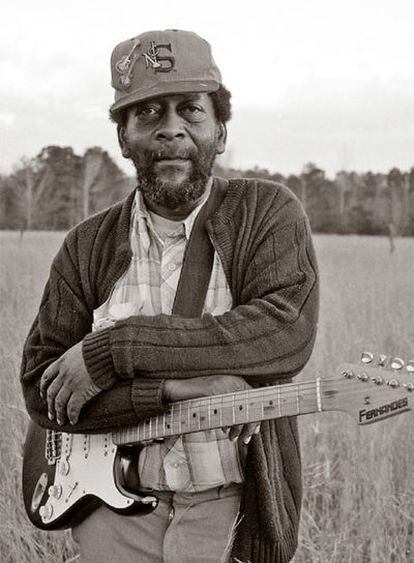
x=207, y=281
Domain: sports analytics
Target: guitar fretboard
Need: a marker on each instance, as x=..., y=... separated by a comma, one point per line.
x=229, y=409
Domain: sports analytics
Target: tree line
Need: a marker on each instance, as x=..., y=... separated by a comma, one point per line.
x=57, y=188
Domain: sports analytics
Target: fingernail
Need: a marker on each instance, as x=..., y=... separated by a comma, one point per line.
x=247, y=440
x=257, y=430
x=50, y=415
x=60, y=422
x=234, y=439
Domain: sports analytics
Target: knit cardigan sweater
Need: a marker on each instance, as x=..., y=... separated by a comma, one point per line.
x=263, y=239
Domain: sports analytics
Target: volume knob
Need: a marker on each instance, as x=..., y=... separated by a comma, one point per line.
x=46, y=512
x=55, y=491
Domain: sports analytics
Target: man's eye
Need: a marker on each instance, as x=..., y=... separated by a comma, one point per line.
x=193, y=113
x=148, y=112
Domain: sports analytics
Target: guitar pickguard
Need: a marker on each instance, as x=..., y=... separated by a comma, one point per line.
x=88, y=467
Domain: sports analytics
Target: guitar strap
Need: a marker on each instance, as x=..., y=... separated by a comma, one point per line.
x=198, y=258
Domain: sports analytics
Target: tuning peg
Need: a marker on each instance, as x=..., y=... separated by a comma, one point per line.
x=410, y=366
x=362, y=377
x=367, y=357
x=382, y=360
x=397, y=364
x=377, y=379
x=393, y=383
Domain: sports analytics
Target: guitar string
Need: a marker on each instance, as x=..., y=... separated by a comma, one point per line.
x=304, y=402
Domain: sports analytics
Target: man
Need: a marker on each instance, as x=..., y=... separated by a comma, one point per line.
x=117, y=337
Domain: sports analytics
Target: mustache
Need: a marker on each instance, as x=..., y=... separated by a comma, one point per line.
x=171, y=153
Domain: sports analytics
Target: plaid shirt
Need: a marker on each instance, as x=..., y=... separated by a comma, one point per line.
x=201, y=460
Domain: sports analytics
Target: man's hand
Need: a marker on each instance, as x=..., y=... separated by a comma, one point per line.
x=67, y=386
x=182, y=389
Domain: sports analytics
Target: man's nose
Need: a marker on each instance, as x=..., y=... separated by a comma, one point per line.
x=171, y=126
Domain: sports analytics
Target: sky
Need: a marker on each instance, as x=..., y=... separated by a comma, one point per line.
x=321, y=81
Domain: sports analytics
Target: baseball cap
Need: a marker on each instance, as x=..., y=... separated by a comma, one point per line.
x=156, y=63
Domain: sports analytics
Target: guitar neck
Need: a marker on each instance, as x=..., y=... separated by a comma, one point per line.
x=207, y=413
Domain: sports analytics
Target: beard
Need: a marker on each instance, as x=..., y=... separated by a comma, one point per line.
x=172, y=194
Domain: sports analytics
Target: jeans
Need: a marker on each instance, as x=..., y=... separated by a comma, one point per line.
x=184, y=528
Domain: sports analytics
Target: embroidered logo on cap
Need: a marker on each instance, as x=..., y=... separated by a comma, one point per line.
x=154, y=60
x=125, y=65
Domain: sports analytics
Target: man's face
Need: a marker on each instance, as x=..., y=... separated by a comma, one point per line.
x=173, y=141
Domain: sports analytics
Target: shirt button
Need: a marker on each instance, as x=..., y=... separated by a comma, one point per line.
x=171, y=266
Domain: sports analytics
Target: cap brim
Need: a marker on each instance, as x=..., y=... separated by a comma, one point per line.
x=163, y=88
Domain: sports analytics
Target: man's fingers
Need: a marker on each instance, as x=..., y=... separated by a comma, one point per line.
x=51, y=394
x=74, y=407
x=48, y=376
x=244, y=431
x=61, y=401
x=235, y=432
x=248, y=431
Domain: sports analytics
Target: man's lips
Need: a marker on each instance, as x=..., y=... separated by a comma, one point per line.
x=172, y=161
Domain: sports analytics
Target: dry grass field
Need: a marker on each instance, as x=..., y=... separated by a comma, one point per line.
x=359, y=481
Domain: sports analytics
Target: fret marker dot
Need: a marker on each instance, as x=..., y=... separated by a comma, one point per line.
x=215, y=411
x=240, y=407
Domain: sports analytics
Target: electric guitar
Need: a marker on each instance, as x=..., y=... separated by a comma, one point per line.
x=65, y=476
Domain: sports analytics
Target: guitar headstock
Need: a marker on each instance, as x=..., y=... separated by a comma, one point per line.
x=373, y=390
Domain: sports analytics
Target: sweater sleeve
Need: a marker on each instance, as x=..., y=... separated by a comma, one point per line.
x=64, y=318
x=268, y=336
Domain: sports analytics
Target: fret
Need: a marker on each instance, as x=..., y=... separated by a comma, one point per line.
x=297, y=399
x=246, y=406
x=209, y=411
x=199, y=415
x=221, y=412
x=262, y=405
x=279, y=404
x=318, y=393
x=233, y=409
x=189, y=417
x=179, y=418
x=172, y=417
x=150, y=428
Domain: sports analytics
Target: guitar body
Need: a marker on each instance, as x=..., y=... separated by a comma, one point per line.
x=66, y=476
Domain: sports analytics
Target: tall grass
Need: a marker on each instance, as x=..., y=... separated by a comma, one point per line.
x=358, y=482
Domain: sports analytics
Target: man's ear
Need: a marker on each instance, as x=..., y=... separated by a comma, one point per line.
x=126, y=153
x=221, y=138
